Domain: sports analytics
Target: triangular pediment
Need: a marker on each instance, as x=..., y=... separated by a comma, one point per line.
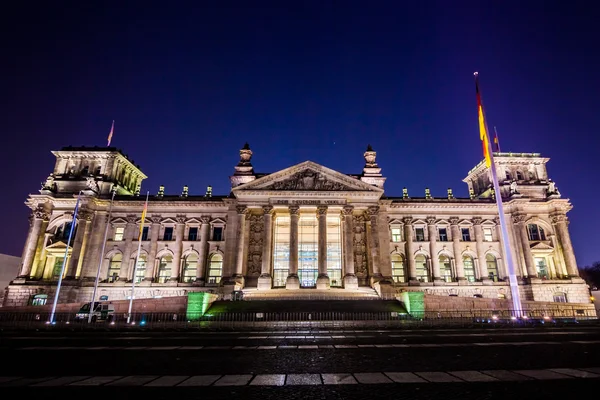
x=60, y=245
x=308, y=176
x=119, y=220
x=541, y=246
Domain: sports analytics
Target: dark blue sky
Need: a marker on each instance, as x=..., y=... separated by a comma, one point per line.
x=312, y=80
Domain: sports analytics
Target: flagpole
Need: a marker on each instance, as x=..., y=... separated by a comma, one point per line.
x=137, y=257
x=101, y=256
x=512, y=277
x=64, y=263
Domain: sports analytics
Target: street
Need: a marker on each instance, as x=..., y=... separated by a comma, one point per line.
x=467, y=363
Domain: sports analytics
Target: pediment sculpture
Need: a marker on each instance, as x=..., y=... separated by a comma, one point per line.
x=308, y=179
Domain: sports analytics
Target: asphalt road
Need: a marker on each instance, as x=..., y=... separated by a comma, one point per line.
x=452, y=363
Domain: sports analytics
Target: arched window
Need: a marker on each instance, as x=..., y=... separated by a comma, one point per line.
x=508, y=177
x=398, y=268
x=469, y=268
x=559, y=297
x=140, y=272
x=421, y=267
x=536, y=232
x=62, y=232
x=215, y=270
x=492, y=267
x=85, y=171
x=519, y=176
x=190, y=265
x=445, y=269
x=114, y=267
x=164, y=268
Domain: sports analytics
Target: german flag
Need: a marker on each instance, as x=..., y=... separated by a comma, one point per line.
x=483, y=134
x=143, y=218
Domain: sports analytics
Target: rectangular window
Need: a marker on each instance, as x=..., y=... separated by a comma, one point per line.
x=396, y=235
x=281, y=251
x=193, y=234
x=119, y=233
x=541, y=268
x=308, y=250
x=145, y=233
x=334, y=251
x=218, y=233
x=466, y=234
x=487, y=235
x=443, y=234
x=168, y=233
x=419, y=234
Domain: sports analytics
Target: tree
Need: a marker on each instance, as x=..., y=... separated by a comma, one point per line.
x=591, y=274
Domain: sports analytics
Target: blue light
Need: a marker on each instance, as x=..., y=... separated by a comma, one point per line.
x=143, y=323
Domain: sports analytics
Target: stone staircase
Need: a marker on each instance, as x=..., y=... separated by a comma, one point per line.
x=362, y=293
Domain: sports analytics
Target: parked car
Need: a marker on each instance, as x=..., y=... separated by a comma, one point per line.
x=101, y=312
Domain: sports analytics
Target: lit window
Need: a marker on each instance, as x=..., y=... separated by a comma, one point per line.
x=140, y=271
x=215, y=269
x=492, y=267
x=443, y=234
x=396, y=235
x=488, y=235
x=114, y=267
x=193, y=234
x=541, y=267
x=39, y=300
x=466, y=234
x=419, y=234
x=168, y=233
x=559, y=297
x=164, y=268
x=536, y=232
x=334, y=251
x=445, y=269
x=398, y=268
x=469, y=268
x=281, y=251
x=119, y=233
x=421, y=267
x=189, y=268
x=217, y=233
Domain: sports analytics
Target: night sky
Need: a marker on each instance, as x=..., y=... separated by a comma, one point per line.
x=302, y=80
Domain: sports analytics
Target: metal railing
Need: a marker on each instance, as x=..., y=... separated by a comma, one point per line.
x=294, y=320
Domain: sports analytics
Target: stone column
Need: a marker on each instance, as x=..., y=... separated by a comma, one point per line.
x=38, y=217
x=560, y=222
x=203, y=250
x=323, y=278
x=84, y=218
x=179, y=232
x=151, y=262
x=513, y=248
x=92, y=254
x=460, y=270
x=350, y=279
x=264, y=280
x=130, y=233
x=408, y=239
x=373, y=213
x=40, y=260
x=242, y=211
x=519, y=220
x=435, y=261
x=478, y=230
x=292, y=281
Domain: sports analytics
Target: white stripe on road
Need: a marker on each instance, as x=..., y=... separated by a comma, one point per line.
x=308, y=379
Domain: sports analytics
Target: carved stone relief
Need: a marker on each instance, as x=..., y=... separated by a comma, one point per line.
x=360, y=246
x=308, y=180
x=255, y=244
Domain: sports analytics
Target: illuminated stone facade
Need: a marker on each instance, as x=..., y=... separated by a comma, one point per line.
x=306, y=226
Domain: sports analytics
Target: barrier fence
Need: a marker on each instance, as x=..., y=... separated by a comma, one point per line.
x=291, y=320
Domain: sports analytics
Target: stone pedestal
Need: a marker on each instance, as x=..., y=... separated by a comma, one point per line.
x=463, y=282
x=264, y=282
x=292, y=282
x=350, y=282
x=414, y=282
x=323, y=282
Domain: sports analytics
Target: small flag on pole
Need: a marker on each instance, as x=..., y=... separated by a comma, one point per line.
x=483, y=135
x=143, y=218
x=496, y=141
x=112, y=129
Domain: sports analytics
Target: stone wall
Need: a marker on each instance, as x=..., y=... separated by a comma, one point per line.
x=448, y=306
x=165, y=305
